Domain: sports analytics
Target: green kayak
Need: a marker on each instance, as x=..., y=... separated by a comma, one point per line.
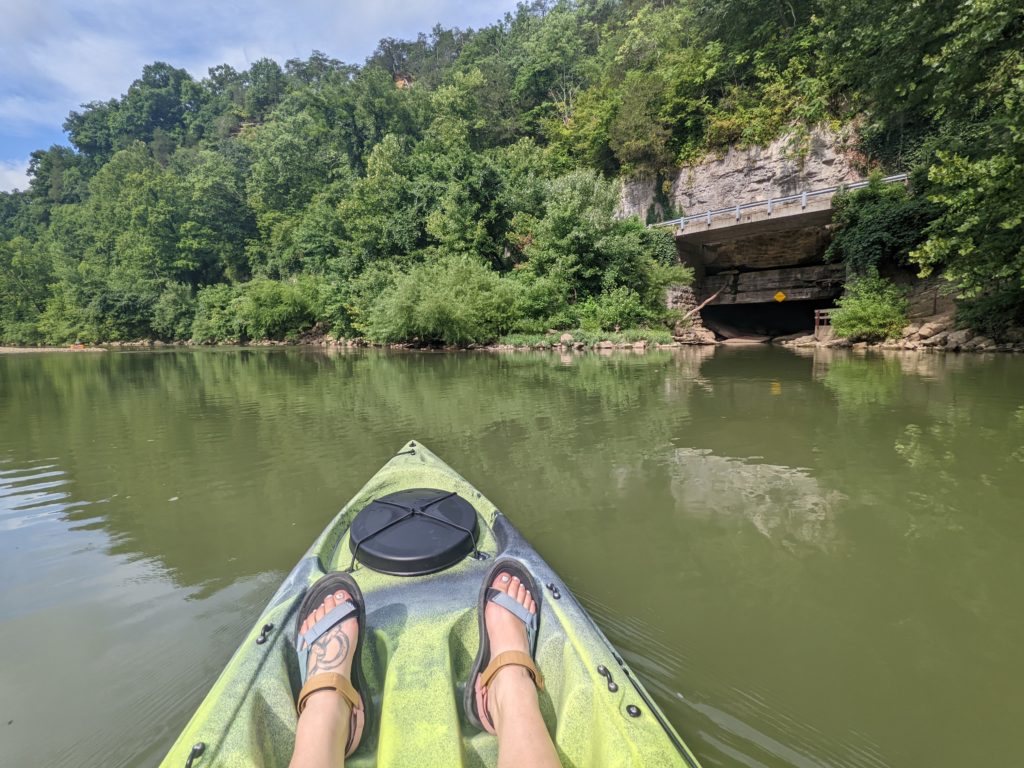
x=418, y=539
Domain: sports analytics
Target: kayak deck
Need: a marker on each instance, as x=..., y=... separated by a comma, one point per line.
x=421, y=639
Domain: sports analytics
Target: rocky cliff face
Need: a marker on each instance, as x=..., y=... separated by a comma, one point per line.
x=746, y=175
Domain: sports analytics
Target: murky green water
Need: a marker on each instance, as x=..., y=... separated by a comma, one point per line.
x=812, y=560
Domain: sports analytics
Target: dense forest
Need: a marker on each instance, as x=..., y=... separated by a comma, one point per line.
x=462, y=186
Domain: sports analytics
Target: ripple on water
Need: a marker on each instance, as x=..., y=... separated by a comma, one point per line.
x=745, y=725
x=30, y=495
x=124, y=668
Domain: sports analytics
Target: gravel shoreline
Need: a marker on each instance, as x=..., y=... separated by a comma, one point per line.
x=26, y=350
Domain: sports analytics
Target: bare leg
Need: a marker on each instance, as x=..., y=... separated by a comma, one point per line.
x=322, y=732
x=523, y=738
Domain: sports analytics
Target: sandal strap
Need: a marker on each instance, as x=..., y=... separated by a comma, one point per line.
x=336, y=615
x=329, y=681
x=512, y=658
x=517, y=609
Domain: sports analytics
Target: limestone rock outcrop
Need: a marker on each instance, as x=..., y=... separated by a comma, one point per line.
x=691, y=331
x=746, y=175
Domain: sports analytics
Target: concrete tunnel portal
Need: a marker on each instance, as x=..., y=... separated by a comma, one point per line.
x=763, y=319
x=762, y=284
x=759, y=267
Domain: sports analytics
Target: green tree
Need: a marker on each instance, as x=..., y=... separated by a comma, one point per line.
x=636, y=134
x=57, y=175
x=217, y=221
x=153, y=109
x=116, y=251
x=90, y=130
x=265, y=86
x=978, y=238
x=383, y=215
x=25, y=272
x=580, y=245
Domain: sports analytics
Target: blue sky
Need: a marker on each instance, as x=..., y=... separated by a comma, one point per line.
x=58, y=54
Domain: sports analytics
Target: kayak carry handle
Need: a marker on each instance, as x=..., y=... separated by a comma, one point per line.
x=197, y=751
x=263, y=634
x=604, y=672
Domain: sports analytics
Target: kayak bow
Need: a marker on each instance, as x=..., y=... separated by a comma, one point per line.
x=421, y=639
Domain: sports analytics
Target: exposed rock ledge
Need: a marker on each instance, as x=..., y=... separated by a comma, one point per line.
x=931, y=333
x=747, y=175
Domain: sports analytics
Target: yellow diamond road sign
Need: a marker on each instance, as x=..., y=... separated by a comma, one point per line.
x=780, y=296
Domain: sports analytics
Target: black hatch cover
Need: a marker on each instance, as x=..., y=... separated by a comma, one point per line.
x=414, y=532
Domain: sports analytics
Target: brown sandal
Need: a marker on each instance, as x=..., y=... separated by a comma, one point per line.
x=321, y=681
x=485, y=668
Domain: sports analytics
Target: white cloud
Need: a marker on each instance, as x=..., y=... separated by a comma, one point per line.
x=13, y=175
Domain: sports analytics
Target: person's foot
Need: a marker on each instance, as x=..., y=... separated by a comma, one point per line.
x=506, y=632
x=335, y=649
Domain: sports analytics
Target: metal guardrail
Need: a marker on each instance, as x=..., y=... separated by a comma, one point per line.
x=771, y=202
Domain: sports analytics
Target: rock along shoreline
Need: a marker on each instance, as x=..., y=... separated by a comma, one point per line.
x=935, y=333
x=929, y=337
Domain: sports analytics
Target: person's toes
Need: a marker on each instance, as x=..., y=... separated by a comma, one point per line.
x=329, y=604
x=501, y=582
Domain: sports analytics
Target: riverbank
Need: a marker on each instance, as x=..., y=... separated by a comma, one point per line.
x=24, y=350
x=937, y=332
x=982, y=345
x=577, y=339
x=932, y=334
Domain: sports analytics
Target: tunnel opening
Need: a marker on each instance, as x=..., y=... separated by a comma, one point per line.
x=776, y=318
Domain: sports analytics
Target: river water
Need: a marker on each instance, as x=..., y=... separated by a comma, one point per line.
x=811, y=559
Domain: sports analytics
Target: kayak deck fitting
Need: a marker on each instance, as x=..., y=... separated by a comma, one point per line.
x=421, y=640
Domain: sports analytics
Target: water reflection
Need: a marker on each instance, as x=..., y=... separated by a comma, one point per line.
x=198, y=453
x=782, y=503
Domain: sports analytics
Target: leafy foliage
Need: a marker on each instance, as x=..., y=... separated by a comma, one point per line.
x=173, y=312
x=258, y=309
x=948, y=101
x=589, y=337
x=882, y=222
x=611, y=310
x=24, y=274
x=872, y=309
x=456, y=300
x=215, y=319
x=994, y=313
